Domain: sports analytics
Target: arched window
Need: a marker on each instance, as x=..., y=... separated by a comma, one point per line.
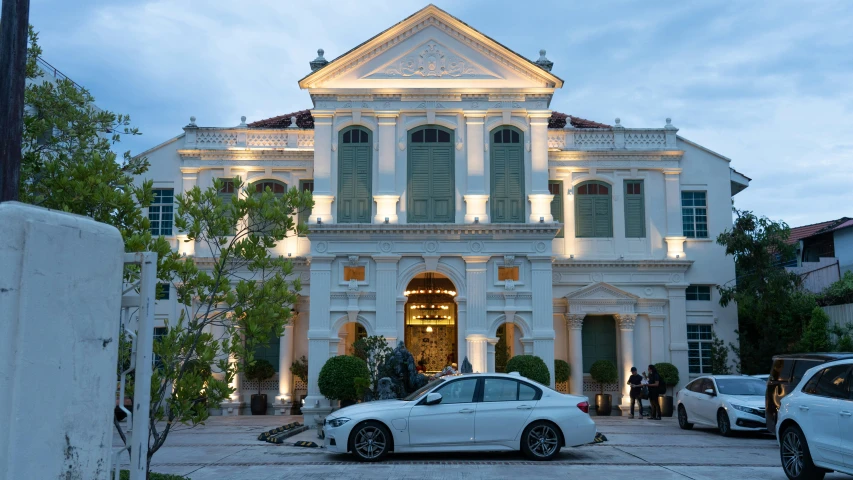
x=507, y=172
x=431, y=187
x=277, y=188
x=354, y=172
x=593, y=210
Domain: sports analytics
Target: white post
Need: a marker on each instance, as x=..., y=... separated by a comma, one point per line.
x=144, y=364
x=477, y=353
x=285, y=378
x=574, y=323
x=626, y=330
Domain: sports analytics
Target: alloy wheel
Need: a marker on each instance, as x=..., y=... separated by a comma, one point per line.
x=682, y=417
x=792, y=454
x=723, y=423
x=542, y=441
x=370, y=442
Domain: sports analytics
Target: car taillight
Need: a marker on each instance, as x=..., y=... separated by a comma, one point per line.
x=584, y=406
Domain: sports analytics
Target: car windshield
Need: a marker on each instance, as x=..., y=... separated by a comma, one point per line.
x=741, y=386
x=423, y=390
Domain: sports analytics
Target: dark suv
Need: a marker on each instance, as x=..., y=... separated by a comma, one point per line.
x=787, y=372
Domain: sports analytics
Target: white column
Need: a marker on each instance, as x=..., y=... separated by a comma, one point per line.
x=285, y=378
x=678, y=331
x=540, y=197
x=674, y=228
x=543, y=310
x=318, y=336
x=387, y=197
x=323, y=196
x=475, y=273
x=574, y=323
x=461, y=327
x=476, y=197
x=626, y=330
x=490, y=354
x=656, y=344
x=477, y=353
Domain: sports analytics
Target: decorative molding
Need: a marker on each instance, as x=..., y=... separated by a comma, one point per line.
x=578, y=264
x=574, y=321
x=431, y=59
x=449, y=229
x=626, y=321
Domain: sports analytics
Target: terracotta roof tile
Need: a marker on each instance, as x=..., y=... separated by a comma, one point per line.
x=305, y=120
x=799, y=233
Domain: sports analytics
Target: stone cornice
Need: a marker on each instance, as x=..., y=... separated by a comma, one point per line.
x=657, y=265
x=356, y=231
x=254, y=154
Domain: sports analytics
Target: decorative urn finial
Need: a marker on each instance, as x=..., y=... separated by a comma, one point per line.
x=318, y=62
x=543, y=61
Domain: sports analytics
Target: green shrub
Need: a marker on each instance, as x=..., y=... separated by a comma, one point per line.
x=337, y=377
x=669, y=373
x=300, y=368
x=259, y=371
x=125, y=475
x=530, y=366
x=562, y=370
x=603, y=371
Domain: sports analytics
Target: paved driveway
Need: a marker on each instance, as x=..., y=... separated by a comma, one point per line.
x=227, y=449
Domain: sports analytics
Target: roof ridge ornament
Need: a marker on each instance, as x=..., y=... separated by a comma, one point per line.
x=543, y=61
x=318, y=62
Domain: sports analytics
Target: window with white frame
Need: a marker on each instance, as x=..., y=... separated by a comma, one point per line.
x=694, y=214
x=699, y=338
x=698, y=292
x=161, y=211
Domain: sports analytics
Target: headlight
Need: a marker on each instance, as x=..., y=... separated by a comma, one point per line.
x=337, y=422
x=750, y=410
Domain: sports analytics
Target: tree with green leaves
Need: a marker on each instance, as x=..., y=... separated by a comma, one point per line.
x=719, y=356
x=374, y=350
x=771, y=309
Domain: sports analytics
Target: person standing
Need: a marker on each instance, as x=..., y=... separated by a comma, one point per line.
x=636, y=383
x=654, y=391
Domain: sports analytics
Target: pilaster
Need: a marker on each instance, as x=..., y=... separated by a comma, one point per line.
x=626, y=332
x=323, y=194
x=316, y=406
x=475, y=273
x=674, y=228
x=678, y=330
x=284, y=399
x=574, y=323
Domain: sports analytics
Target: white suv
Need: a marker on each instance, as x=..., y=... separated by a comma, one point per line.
x=815, y=424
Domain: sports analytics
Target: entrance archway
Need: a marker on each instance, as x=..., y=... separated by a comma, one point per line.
x=430, y=320
x=348, y=334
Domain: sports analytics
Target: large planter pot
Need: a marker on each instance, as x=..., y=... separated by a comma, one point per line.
x=259, y=404
x=603, y=404
x=665, y=402
x=347, y=403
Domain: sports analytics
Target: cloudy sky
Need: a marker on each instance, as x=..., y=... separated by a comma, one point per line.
x=767, y=84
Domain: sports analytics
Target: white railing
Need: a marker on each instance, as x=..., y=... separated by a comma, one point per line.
x=137, y=323
x=247, y=138
x=615, y=138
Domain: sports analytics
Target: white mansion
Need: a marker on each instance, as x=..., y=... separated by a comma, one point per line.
x=456, y=212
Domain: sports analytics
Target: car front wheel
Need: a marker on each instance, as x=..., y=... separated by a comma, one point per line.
x=540, y=441
x=370, y=442
x=682, y=418
x=723, y=423
x=796, y=458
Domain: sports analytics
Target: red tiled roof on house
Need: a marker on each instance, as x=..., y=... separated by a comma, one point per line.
x=799, y=233
x=305, y=120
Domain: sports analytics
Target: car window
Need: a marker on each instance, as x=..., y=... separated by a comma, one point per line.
x=741, y=386
x=460, y=391
x=800, y=368
x=500, y=390
x=781, y=370
x=423, y=390
x=707, y=384
x=811, y=386
x=834, y=382
x=526, y=392
x=693, y=386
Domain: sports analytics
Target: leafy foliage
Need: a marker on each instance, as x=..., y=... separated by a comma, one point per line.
x=669, y=373
x=562, y=371
x=501, y=350
x=530, y=366
x=299, y=368
x=259, y=371
x=399, y=367
x=839, y=292
x=373, y=350
x=719, y=357
x=603, y=371
x=771, y=309
x=816, y=336
x=337, y=377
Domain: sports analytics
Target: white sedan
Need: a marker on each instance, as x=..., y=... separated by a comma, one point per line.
x=815, y=424
x=473, y=412
x=728, y=402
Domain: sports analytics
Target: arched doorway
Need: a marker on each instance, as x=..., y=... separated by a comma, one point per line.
x=508, y=346
x=430, y=317
x=348, y=334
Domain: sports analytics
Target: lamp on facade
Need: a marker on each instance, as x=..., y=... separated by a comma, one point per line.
x=429, y=329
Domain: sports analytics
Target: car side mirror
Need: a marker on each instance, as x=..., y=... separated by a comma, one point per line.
x=710, y=392
x=433, y=399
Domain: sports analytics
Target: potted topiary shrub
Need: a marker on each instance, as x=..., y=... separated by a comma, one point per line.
x=669, y=374
x=337, y=378
x=530, y=366
x=603, y=372
x=259, y=371
x=562, y=371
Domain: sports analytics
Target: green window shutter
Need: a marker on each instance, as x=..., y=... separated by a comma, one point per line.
x=225, y=193
x=361, y=175
x=419, y=184
x=354, y=166
x=441, y=162
x=346, y=184
x=598, y=336
x=603, y=217
x=556, y=189
x=584, y=216
x=507, y=177
x=593, y=210
x=635, y=211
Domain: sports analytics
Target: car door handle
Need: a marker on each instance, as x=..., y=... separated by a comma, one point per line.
x=524, y=407
x=466, y=410
x=846, y=414
x=804, y=408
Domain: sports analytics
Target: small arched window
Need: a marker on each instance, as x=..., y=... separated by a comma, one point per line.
x=278, y=189
x=275, y=187
x=356, y=135
x=506, y=135
x=593, y=210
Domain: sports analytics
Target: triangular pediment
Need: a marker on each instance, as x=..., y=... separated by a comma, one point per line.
x=430, y=49
x=601, y=291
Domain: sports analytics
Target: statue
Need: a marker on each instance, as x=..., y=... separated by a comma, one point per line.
x=466, y=366
x=386, y=389
x=399, y=368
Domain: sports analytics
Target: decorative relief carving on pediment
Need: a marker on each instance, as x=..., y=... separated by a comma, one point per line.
x=431, y=60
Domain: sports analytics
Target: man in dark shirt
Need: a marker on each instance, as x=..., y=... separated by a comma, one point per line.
x=654, y=391
x=636, y=383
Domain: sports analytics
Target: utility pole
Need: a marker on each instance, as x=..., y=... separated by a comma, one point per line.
x=14, y=23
